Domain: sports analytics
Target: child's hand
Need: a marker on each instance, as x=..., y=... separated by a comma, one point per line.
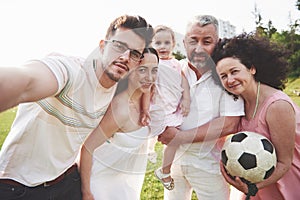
x=185, y=107
x=145, y=118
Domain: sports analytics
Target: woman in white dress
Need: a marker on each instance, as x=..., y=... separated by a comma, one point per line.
x=114, y=156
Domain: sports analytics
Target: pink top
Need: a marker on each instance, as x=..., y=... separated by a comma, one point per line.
x=288, y=185
x=164, y=112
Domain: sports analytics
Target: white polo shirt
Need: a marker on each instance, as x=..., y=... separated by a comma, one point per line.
x=208, y=101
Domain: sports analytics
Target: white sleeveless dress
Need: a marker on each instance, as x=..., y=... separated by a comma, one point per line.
x=119, y=166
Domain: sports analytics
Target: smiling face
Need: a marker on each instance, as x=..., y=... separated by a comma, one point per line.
x=144, y=76
x=164, y=43
x=199, y=43
x=235, y=77
x=117, y=64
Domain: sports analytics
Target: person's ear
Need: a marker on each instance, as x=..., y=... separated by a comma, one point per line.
x=253, y=70
x=101, y=45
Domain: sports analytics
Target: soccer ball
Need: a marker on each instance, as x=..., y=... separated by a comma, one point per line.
x=249, y=155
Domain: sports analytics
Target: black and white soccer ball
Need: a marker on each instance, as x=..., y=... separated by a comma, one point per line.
x=249, y=156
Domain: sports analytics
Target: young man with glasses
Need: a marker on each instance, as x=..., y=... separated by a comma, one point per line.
x=121, y=47
x=60, y=101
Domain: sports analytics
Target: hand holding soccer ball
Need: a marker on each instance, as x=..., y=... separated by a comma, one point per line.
x=250, y=156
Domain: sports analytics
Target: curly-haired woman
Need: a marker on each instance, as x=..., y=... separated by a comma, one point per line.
x=255, y=69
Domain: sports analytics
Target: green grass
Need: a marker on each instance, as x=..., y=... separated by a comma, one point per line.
x=6, y=119
x=290, y=87
x=152, y=188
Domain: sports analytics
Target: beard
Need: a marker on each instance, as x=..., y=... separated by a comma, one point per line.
x=112, y=76
x=114, y=73
x=198, y=64
x=206, y=63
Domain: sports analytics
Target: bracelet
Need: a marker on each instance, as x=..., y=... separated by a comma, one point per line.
x=252, y=190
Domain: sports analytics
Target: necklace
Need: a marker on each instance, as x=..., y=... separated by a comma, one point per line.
x=257, y=97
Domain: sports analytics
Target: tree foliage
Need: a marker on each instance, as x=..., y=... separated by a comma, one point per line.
x=290, y=39
x=178, y=55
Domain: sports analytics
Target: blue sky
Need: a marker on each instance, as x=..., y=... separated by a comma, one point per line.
x=33, y=28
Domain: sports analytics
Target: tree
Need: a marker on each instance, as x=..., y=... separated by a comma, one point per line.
x=178, y=55
x=288, y=39
x=260, y=30
x=294, y=45
x=270, y=30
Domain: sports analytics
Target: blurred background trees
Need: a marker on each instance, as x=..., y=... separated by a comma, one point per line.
x=290, y=38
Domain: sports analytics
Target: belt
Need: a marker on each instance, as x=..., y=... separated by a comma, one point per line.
x=72, y=169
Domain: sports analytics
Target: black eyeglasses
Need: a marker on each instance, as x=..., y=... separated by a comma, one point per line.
x=121, y=47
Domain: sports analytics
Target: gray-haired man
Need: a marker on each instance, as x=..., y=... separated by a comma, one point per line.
x=214, y=113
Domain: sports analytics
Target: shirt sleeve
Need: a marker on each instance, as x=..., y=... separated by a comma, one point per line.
x=58, y=66
x=231, y=107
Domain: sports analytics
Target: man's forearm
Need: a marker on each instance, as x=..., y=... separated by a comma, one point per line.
x=214, y=129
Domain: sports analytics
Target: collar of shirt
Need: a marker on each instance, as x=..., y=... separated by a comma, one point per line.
x=197, y=73
x=191, y=75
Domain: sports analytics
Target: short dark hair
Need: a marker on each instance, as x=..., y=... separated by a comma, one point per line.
x=136, y=23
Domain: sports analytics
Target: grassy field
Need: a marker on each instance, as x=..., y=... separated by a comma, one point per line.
x=152, y=188
x=291, y=86
x=6, y=119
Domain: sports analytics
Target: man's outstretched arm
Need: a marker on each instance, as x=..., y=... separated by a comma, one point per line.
x=27, y=83
x=214, y=129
